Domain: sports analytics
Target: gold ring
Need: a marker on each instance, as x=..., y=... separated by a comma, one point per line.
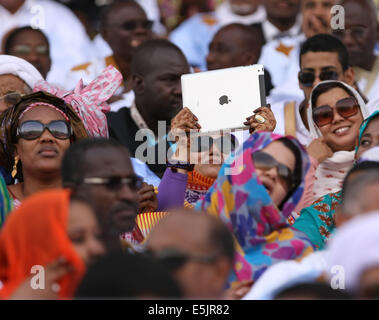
x=260, y=119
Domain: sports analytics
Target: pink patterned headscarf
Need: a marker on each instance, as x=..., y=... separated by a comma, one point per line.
x=89, y=101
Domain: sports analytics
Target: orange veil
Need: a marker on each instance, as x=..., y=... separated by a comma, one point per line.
x=36, y=234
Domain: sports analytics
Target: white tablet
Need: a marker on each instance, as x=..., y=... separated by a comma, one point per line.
x=223, y=99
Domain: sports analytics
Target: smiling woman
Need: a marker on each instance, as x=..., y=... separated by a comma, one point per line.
x=335, y=114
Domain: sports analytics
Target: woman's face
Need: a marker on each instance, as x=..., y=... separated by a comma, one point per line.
x=341, y=133
x=370, y=137
x=84, y=232
x=44, y=154
x=10, y=83
x=210, y=162
x=276, y=187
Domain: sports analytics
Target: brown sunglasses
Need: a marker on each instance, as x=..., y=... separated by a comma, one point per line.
x=346, y=108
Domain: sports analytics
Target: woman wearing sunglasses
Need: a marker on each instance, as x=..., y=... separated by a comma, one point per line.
x=254, y=194
x=35, y=134
x=335, y=114
x=318, y=221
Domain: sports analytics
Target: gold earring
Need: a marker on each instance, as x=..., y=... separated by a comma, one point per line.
x=14, y=171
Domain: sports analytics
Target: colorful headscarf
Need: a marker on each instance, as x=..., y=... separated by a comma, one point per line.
x=89, y=101
x=6, y=203
x=36, y=234
x=263, y=235
x=364, y=125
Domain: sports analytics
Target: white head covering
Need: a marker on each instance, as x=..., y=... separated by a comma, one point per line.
x=370, y=155
x=373, y=104
x=355, y=247
x=20, y=68
x=330, y=173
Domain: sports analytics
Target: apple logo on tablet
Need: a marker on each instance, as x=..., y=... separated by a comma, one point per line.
x=224, y=100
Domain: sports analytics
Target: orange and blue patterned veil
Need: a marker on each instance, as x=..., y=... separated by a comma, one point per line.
x=262, y=234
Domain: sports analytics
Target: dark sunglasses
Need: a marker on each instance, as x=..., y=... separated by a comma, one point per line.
x=307, y=78
x=225, y=144
x=116, y=183
x=33, y=129
x=134, y=24
x=12, y=98
x=346, y=108
x=173, y=259
x=264, y=161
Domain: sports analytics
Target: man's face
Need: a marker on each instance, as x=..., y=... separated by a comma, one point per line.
x=32, y=46
x=127, y=27
x=162, y=91
x=227, y=50
x=116, y=208
x=197, y=279
x=359, y=35
x=317, y=62
x=316, y=16
x=282, y=8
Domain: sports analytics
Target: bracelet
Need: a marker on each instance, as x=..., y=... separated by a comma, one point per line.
x=181, y=165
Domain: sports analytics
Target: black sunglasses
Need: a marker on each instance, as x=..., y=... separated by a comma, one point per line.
x=134, y=24
x=116, y=183
x=225, y=144
x=307, y=78
x=346, y=108
x=33, y=129
x=173, y=259
x=264, y=161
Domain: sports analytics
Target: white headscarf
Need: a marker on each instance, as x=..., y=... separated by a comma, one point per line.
x=355, y=247
x=20, y=68
x=331, y=172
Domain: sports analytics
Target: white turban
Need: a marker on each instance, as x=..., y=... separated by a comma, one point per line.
x=20, y=68
x=355, y=248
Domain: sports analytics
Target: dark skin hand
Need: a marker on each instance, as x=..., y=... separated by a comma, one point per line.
x=148, y=201
x=269, y=120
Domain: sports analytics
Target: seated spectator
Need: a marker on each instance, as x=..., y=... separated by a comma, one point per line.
x=360, y=37
x=100, y=171
x=322, y=57
x=338, y=130
x=124, y=26
x=53, y=231
x=156, y=69
x=67, y=48
x=30, y=152
x=199, y=261
x=194, y=35
x=127, y=276
x=255, y=192
x=359, y=260
x=355, y=202
x=17, y=78
x=187, y=184
x=31, y=45
x=34, y=154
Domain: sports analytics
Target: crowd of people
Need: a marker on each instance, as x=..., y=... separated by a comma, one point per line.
x=92, y=208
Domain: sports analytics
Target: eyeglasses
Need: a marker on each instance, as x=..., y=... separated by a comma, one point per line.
x=134, y=24
x=11, y=98
x=264, y=161
x=24, y=49
x=307, y=78
x=225, y=144
x=116, y=183
x=346, y=108
x=33, y=129
x=174, y=259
